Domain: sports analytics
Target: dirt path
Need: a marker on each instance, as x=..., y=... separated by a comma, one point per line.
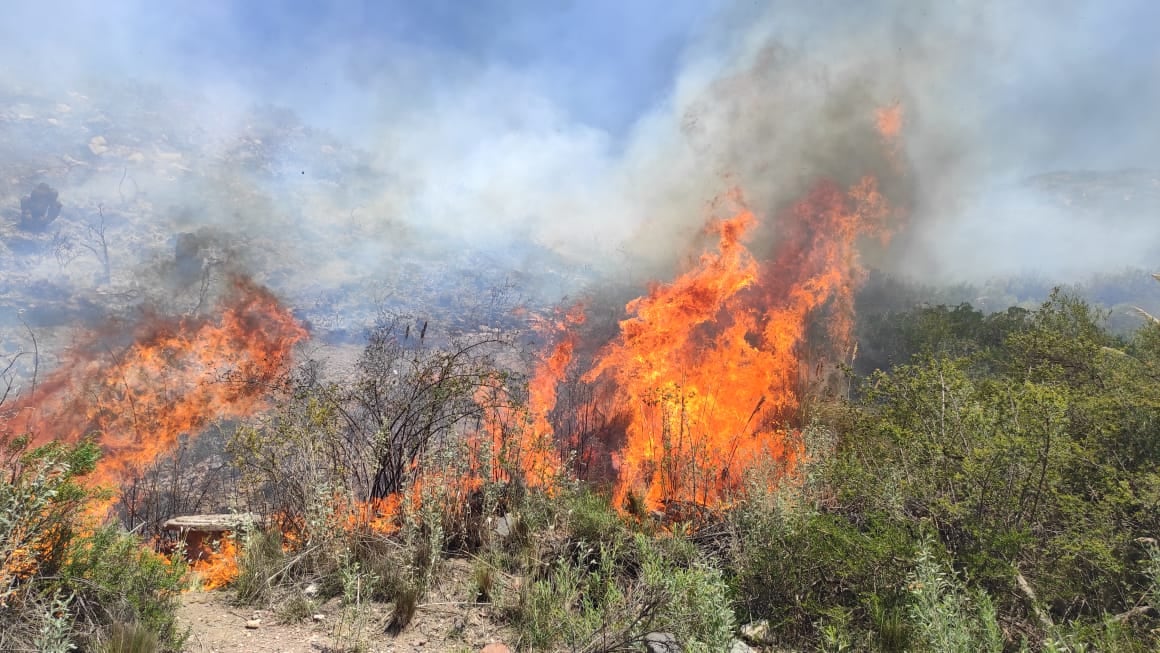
x=446, y=621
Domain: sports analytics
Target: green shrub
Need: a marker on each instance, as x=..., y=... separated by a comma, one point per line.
x=66, y=583
x=130, y=583
x=799, y=569
x=945, y=615
x=606, y=588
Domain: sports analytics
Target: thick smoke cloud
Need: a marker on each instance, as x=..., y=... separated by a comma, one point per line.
x=600, y=130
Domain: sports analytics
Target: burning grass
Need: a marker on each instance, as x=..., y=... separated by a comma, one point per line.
x=139, y=386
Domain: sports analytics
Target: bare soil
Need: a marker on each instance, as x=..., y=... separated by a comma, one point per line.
x=447, y=620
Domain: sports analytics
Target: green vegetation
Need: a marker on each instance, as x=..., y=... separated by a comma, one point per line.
x=1020, y=450
x=67, y=585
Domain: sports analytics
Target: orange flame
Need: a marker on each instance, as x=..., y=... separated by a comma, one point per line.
x=888, y=120
x=172, y=377
x=219, y=567
x=374, y=516
x=708, y=369
x=519, y=438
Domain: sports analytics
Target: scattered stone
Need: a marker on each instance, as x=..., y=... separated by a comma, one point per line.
x=503, y=527
x=756, y=632
x=98, y=145
x=318, y=617
x=253, y=624
x=495, y=647
x=739, y=646
x=310, y=591
x=39, y=209
x=662, y=643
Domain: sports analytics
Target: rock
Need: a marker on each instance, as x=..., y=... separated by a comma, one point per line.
x=495, y=647
x=662, y=643
x=318, y=617
x=756, y=632
x=310, y=591
x=739, y=646
x=253, y=624
x=98, y=145
x=503, y=527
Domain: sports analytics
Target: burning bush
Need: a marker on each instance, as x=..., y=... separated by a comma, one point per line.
x=709, y=370
x=64, y=580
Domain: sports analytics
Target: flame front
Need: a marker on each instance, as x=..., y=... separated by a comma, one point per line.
x=708, y=368
x=172, y=377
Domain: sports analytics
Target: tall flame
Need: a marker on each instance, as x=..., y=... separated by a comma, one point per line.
x=708, y=368
x=172, y=377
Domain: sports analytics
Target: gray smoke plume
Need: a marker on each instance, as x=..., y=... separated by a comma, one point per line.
x=359, y=140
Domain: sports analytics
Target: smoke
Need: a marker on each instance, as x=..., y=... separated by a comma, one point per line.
x=598, y=131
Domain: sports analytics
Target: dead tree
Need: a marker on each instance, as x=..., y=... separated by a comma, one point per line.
x=95, y=240
x=410, y=395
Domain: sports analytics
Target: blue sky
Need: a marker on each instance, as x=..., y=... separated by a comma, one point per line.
x=603, y=61
x=1094, y=64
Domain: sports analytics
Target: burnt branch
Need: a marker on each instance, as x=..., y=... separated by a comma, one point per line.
x=95, y=240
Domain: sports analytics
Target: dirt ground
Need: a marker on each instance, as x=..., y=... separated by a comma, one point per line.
x=447, y=620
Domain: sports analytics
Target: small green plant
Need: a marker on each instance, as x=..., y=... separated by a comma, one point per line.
x=483, y=581
x=352, y=626
x=56, y=624
x=259, y=564
x=130, y=638
x=406, y=604
x=296, y=609
x=835, y=631
x=945, y=614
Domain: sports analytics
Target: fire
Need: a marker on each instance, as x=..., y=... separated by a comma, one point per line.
x=546, y=377
x=888, y=120
x=218, y=568
x=516, y=438
x=708, y=368
x=375, y=515
x=141, y=389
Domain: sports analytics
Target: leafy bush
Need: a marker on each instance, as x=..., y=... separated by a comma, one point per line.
x=946, y=616
x=604, y=588
x=800, y=569
x=65, y=581
x=115, y=574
